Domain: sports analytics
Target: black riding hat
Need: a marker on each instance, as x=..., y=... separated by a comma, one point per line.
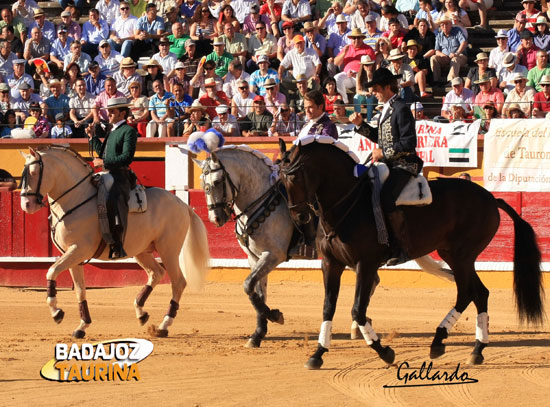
x=382, y=76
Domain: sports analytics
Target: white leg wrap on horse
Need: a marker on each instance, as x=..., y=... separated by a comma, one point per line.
x=450, y=320
x=52, y=303
x=368, y=333
x=83, y=325
x=482, y=327
x=166, y=322
x=139, y=310
x=325, y=334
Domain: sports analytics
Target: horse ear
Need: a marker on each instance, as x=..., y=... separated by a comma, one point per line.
x=198, y=162
x=282, y=146
x=214, y=157
x=33, y=153
x=24, y=155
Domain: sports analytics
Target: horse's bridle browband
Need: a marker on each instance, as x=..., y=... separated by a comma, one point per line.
x=225, y=204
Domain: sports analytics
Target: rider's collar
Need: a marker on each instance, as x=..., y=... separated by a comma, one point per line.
x=118, y=124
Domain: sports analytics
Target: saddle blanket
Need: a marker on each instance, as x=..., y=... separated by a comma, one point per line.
x=138, y=198
x=416, y=192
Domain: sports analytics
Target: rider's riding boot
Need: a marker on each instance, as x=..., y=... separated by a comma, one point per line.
x=399, y=242
x=117, y=250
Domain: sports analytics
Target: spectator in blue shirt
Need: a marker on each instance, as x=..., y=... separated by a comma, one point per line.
x=158, y=107
x=258, y=78
x=149, y=30
x=56, y=103
x=61, y=47
x=47, y=27
x=450, y=47
x=188, y=8
x=177, y=108
x=513, y=34
x=95, y=80
x=93, y=31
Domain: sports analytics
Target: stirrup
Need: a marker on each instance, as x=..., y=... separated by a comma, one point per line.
x=116, y=251
x=397, y=259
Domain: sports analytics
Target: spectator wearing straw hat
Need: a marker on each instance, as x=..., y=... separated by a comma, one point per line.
x=57, y=102
x=154, y=71
x=514, y=33
x=198, y=119
x=349, y=61
x=419, y=65
x=220, y=57
x=509, y=68
x=364, y=95
x=314, y=40
x=123, y=30
x=539, y=70
x=405, y=73
x=108, y=59
x=541, y=37
x=93, y=31
x=179, y=78
x=515, y=112
x=450, y=48
x=46, y=27
x=527, y=52
x=459, y=94
x=273, y=98
x=212, y=98
x=482, y=68
x=497, y=54
x=258, y=122
x=488, y=93
x=166, y=58
x=541, y=104
x=522, y=95
x=126, y=75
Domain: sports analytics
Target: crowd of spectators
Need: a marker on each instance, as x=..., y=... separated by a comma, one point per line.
x=244, y=66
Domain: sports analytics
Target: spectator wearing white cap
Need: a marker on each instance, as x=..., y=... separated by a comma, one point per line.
x=109, y=10
x=539, y=70
x=235, y=74
x=108, y=59
x=509, y=68
x=242, y=102
x=17, y=77
x=497, y=54
x=522, y=95
x=225, y=122
x=74, y=30
x=61, y=47
x=459, y=94
x=179, y=77
x=123, y=30
x=336, y=43
x=334, y=14
x=220, y=57
x=93, y=32
x=47, y=27
x=417, y=110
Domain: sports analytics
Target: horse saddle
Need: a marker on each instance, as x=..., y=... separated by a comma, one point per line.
x=416, y=193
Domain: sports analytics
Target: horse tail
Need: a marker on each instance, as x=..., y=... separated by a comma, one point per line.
x=528, y=285
x=195, y=254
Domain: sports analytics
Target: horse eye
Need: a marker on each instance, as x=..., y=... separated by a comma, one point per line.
x=207, y=188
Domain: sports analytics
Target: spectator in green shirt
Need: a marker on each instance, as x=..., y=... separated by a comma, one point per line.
x=220, y=57
x=177, y=39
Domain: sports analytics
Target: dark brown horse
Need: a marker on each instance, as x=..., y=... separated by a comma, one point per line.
x=460, y=222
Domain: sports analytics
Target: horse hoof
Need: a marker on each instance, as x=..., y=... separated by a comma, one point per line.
x=355, y=333
x=79, y=334
x=476, y=359
x=158, y=333
x=388, y=355
x=252, y=343
x=276, y=316
x=314, y=364
x=59, y=315
x=437, y=351
x=162, y=333
x=144, y=318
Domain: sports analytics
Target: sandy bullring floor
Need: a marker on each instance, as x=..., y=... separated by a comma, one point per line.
x=204, y=363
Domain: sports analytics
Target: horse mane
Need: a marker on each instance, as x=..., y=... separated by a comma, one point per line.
x=320, y=139
x=256, y=153
x=60, y=148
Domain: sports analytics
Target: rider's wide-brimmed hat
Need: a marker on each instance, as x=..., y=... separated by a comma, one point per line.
x=117, y=103
x=382, y=77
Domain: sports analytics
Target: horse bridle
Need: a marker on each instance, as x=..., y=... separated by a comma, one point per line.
x=226, y=204
x=312, y=205
x=24, y=181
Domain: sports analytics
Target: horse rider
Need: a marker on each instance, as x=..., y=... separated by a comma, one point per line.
x=319, y=123
x=116, y=153
x=395, y=135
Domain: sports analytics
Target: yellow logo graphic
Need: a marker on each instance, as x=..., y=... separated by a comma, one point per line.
x=112, y=360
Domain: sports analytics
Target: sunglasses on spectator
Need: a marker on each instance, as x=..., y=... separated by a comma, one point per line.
x=205, y=11
x=134, y=87
x=260, y=27
x=209, y=69
x=125, y=8
x=285, y=110
x=243, y=87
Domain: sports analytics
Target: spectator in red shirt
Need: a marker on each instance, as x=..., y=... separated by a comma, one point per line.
x=488, y=94
x=530, y=13
x=213, y=98
x=527, y=50
x=273, y=12
x=542, y=99
x=395, y=34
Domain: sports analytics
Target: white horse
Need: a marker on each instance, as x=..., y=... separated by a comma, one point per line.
x=237, y=179
x=169, y=227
